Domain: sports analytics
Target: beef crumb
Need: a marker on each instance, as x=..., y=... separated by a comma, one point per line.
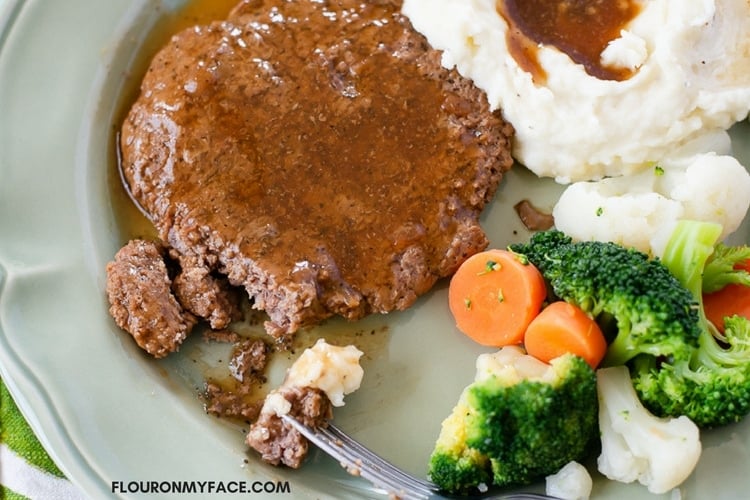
x=249, y=359
x=236, y=403
x=280, y=443
x=224, y=336
x=237, y=397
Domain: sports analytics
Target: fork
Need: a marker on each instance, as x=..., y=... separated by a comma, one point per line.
x=360, y=461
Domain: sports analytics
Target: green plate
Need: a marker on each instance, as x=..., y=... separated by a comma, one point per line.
x=106, y=412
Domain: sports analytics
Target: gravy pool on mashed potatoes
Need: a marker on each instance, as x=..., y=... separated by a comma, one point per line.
x=686, y=67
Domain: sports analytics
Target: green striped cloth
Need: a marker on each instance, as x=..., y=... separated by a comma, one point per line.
x=26, y=471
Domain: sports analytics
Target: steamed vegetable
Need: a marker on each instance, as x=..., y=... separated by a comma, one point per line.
x=669, y=369
x=726, y=266
x=519, y=421
x=494, y=295
x=712, y=385
x=562, y=328
x=680, y=363
x=640, y=210
x=732, y=300
x=726, y=289
x=624, y=290
x=660, y=453
x=572, y=482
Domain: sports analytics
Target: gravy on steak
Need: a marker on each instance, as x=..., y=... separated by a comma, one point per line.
x=315, y=153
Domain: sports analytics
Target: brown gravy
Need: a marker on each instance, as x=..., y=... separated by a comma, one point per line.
x=317, y=153
x=131, y=223
x=579, y=28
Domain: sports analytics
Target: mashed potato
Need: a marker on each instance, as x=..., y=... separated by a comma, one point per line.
x=692, y=76
x=332, y=369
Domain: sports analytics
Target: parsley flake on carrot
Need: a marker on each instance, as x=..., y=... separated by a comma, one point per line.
x=494, y=296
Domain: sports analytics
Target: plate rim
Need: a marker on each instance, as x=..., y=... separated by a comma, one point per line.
x=27, y=389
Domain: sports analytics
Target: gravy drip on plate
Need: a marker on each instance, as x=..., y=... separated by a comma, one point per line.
x=582, y=29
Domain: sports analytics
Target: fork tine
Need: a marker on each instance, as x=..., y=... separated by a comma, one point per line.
x=393, y=481
x=361, y=461
x=378, y=461
x=387, y=468
x=381, y=474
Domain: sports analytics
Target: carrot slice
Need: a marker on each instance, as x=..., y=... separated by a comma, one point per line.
x=730, y=300
x=563, y=328
x=494, y=295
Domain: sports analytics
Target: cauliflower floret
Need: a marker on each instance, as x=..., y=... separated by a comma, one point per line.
x=641, y=210
x=512, y=364
x=572, y=482
x=622, y=210
x=659, y=452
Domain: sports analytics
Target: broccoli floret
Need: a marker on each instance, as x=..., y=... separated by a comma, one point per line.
x=519, y=421
x=454, y=466
x=654, y=314
x=712, y=386
x=679, y=362
x=720, y=269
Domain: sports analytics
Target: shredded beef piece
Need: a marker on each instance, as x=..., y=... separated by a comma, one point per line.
x=141, y=299
x=205, y=295
x=277, y=441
